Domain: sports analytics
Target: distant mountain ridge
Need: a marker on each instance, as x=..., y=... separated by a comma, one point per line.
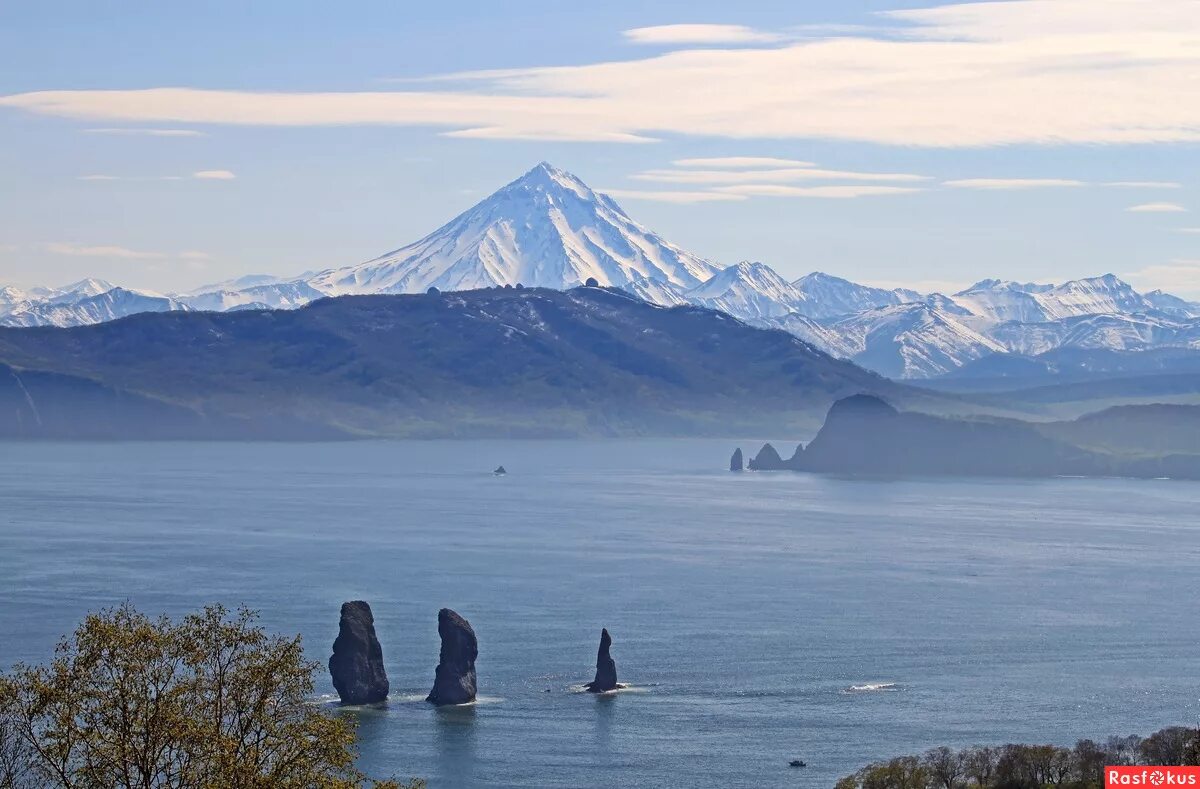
x=499, y=362
x=549, y=229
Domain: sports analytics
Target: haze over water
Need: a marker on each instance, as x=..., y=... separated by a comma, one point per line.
x=742, y=606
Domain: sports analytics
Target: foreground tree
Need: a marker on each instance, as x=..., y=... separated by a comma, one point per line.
x=945, y=766
x=209, y=701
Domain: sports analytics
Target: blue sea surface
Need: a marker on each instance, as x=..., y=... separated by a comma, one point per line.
x=743, y=607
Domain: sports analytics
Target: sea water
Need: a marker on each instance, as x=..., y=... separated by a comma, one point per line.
x=757, y=617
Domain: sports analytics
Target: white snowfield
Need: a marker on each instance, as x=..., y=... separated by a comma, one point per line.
x=549, y=229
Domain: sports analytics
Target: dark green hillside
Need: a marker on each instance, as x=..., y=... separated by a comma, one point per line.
x=530, y=362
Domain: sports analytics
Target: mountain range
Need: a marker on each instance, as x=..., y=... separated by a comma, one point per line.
x=548, y=229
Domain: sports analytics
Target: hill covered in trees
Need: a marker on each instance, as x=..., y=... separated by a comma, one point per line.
x=495, y=362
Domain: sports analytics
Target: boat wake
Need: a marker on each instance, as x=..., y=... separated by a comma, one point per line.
x=872, y=687
x=625, y=688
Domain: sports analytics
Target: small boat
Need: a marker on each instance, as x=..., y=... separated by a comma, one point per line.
x=797, y=763
x=499, y=471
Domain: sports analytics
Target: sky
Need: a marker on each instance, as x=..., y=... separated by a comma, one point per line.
x=167, y=145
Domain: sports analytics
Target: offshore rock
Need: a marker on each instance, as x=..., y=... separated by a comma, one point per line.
x=454, y=680
x=767, y=459
x=606, y=668
x=357, y=661
x=735, y=462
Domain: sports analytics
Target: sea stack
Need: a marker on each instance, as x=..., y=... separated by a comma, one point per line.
x=606, y=668
x=735, y=462
x=767, y=459
x=357, y=661
x=454, y=681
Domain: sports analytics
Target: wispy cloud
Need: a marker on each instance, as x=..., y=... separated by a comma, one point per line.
x=1191, y=230
x=671, y=197
x=739, y=177
x=779, y=176
x=1144, y=184
x=699, y=34
x=1180, y=277
x=1012, y=183
x=828, y=192
x=956, y=75
x=142, y=132
x=111, y=251
x=1156, y=208
x=547, y=135
x=100, y=251
x=199, y=175
x=213, y=175
x=741, y=162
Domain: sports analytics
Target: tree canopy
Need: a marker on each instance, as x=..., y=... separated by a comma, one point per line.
x=211, y=700
x=1017, y=766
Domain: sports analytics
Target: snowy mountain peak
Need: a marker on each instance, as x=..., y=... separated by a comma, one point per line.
x=749, y=290
x=1002, y=300
x=827, y=296
x=545, y=175
x=1093, y=295
x=747, y=271
x=547, y=229
x=1004, y=284
x=90, y=286
x=87, y=309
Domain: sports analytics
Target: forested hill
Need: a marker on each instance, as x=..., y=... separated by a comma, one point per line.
x=493, y=362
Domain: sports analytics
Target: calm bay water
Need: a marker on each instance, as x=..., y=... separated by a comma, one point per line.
x=742, y=606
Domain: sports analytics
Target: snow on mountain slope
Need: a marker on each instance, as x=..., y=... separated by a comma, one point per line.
x=1002, y=301
x=656, y=292
x=545, y=229
x=999, y=300
x=240, y=283
x=109, y=305
x=281, y=295
x=911, y=341
x=1092, y=296
x=1113, y=331
x=83, y=289
x=10, y=298
x=1172, y=305
x=747, y=290
x=827, y=296
x=813, y=332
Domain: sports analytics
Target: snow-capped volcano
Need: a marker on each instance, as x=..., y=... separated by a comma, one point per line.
x=545, y=229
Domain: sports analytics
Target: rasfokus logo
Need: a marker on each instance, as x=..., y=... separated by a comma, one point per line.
x=1151, y=776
